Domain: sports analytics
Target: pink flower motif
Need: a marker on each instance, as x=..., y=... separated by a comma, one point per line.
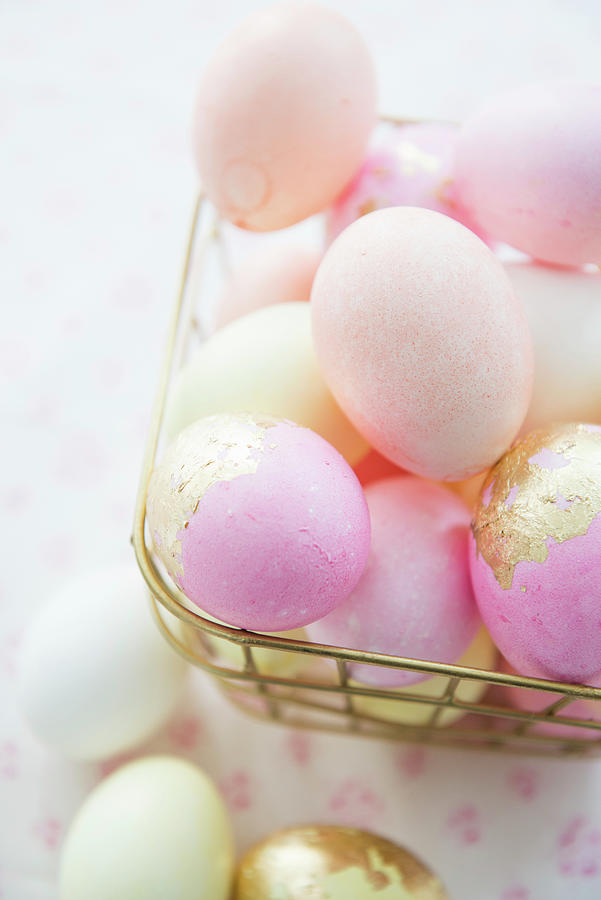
x=15, y=499
x=111, y=372
x=525, y=782
x=9, y=755
x=236, y=789
x=59, y=551
x=355, y=803
x=411, y=762
x=464, y=822
x=185, y=733
x=579, y=849
x=82, y=461
x=44, y=411
x=515, y=892
x=133, y=292
x=298, y=745
x=48, y=831
x=9, y=653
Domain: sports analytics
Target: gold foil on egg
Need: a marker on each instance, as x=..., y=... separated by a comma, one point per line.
x=550, y=502
x=217, y=448
x=333, y=863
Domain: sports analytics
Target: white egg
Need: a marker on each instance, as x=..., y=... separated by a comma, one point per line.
x=563, y=307
x=96, y=677
x=156, y=829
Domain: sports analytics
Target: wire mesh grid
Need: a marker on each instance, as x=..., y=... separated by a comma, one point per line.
x=308, y=685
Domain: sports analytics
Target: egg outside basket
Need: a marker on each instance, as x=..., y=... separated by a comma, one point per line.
x=251, y=668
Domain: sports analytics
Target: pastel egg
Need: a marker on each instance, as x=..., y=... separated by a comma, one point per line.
x=423, y=342
x=528, y=169
x=156, y=828
x=536, y=553
x=563, y=307
x=270, y=275
x=411, y=165
x=263, y=363
x=328, y=862
x=96, y=678
x=260, y=522
x=481, y=654
x=414, y=598
x=284, y=113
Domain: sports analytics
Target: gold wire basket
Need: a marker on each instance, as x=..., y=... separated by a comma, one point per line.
x=318, y=692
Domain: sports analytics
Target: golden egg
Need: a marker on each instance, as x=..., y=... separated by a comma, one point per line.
x=327, y=862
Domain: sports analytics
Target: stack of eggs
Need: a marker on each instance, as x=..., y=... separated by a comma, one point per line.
x=314, y=444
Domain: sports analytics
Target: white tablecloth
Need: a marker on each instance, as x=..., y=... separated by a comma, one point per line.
x=96, y=186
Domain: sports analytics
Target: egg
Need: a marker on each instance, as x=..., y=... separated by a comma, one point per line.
x=260, y=522
x=155, y=828
x=96, y=678
x=270, y=275
x=528, y=169
x=328, y=862
x=535, y=553
x=263, y=363
x=374, y=467
x=414, y=598
x=423, y=342
x=481, y=654
x=410, y=165
x=284, y=113
x=563, y=307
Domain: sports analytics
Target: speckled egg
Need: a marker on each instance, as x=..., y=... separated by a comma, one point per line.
x=528, y=169
x=481, y=654
x=284, y=113
x=563, y=307
x=263, y=363
x=536, y=553
x=415, y=598
x=328, y=862
x=260, y=522
x=423, y=342
x=269, y=275
x=410, y=165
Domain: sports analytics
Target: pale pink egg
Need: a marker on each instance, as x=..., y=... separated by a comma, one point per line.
x=271, y=275
x=414, y=598
x=284, y=113
x=535, y=553
x=375, y=467
x=528, y=169
x=410, y=165
x=260, y=522
x=423, y=342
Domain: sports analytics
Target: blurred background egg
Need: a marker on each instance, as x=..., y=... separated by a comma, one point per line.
x=284, y=113
x=263, y=363
x=536, y=553
x=414, y=598
x=328, y=862
x=528, y=169
x=563, y=307
x=481, y=654
x=423, y=342
x=156, y=828
x=260, y=522
x=269, y=275
x=96, y=677
x=409, y=165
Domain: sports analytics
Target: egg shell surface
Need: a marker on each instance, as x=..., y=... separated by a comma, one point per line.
x=414, y=598
x=535, y=553
x=96, y=678
x=423, y=342
x=563, y=307
x=155, y=828
x=528, y=169
x=260, y=522
x=284, y=113
x=264, y=362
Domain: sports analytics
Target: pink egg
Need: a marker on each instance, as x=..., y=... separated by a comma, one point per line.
x=414, y=598
x=409, y=166
x=284, y=113
x=528, y=169
x=375, y=467
x=423, y=342
x=269, y=276
x=260, y=522
x=535, y=553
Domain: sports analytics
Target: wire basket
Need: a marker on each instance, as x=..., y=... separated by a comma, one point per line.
x=308, y=685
